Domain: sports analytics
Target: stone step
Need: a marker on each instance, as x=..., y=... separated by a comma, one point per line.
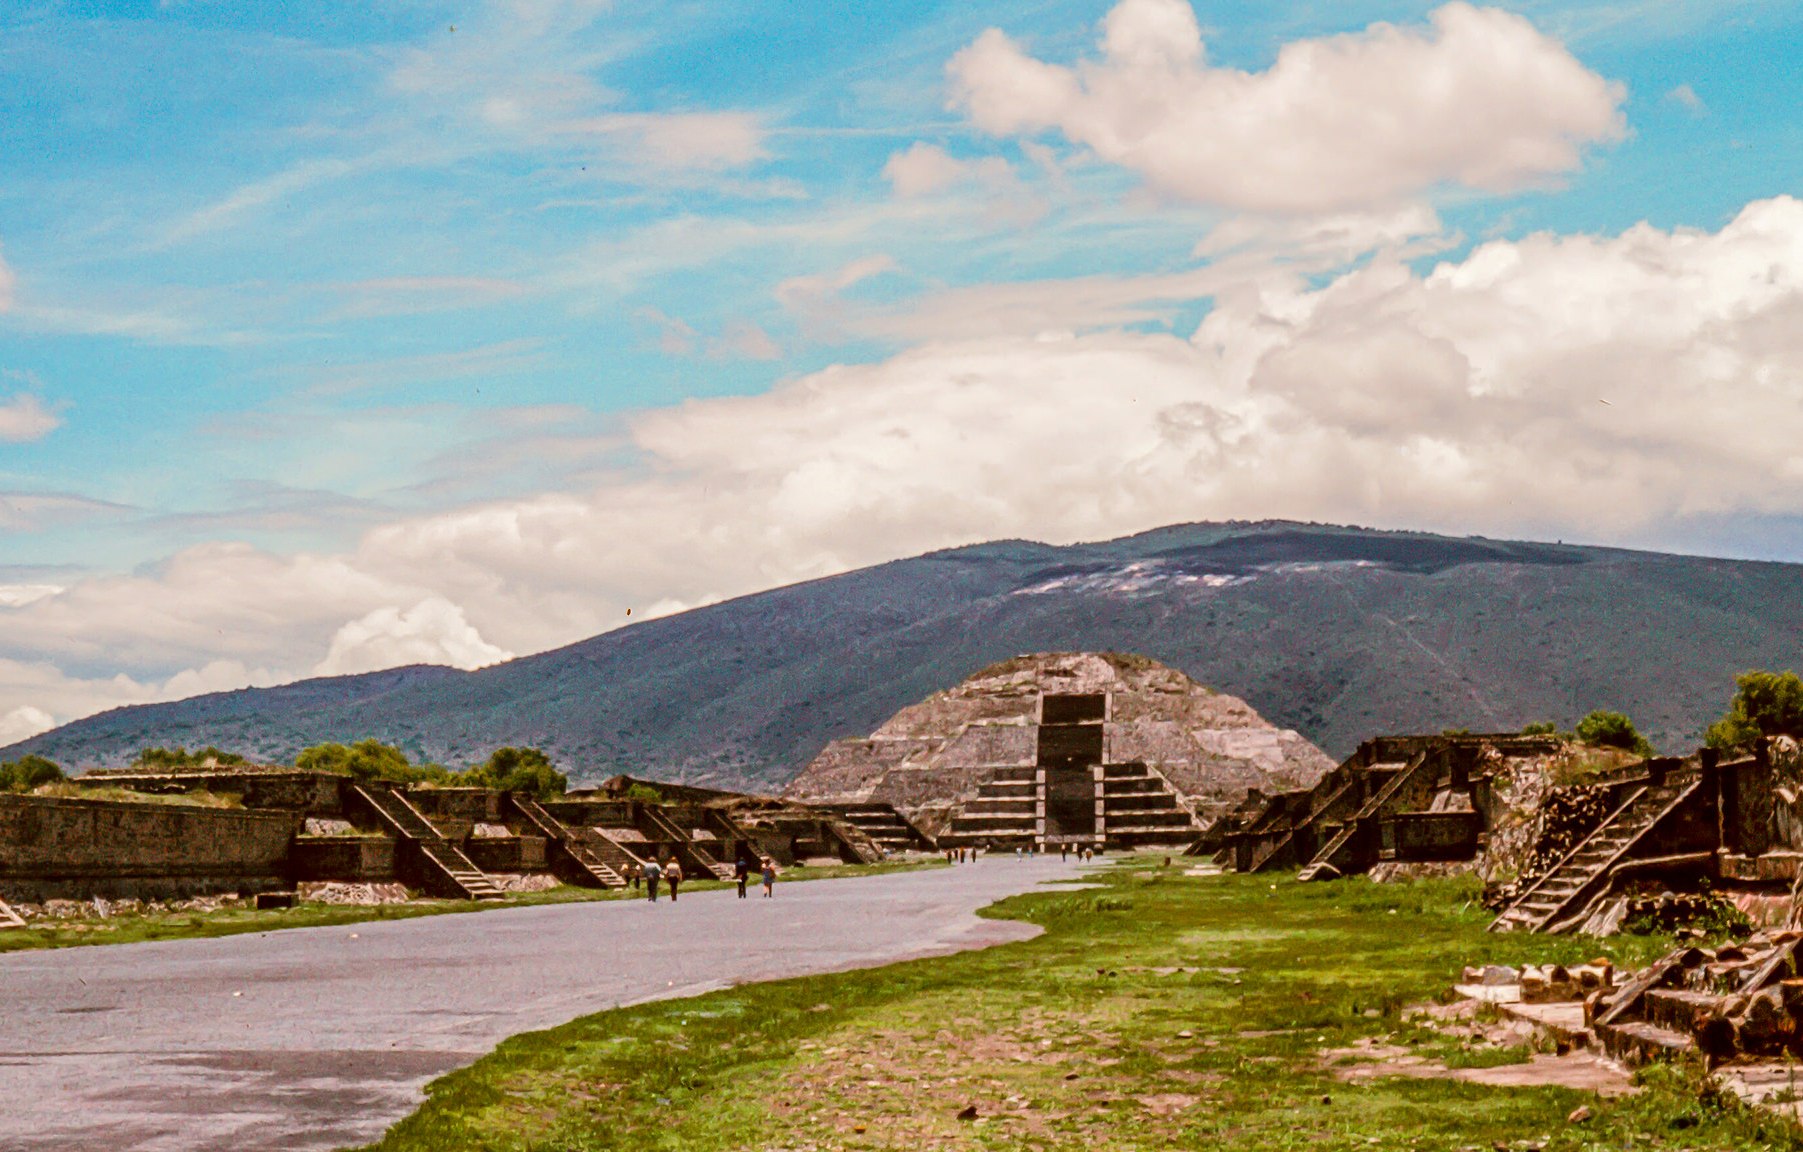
x=1677, y=1009
x=1638, y=1042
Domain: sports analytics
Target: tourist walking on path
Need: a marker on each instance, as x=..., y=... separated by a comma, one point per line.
x=769, y=877
x=673, y=877
x=1064, y=850
x=742, y=873
x=635, y=875
x=653, y=873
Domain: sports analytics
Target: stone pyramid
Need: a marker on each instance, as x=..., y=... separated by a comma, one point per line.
x=942, y=760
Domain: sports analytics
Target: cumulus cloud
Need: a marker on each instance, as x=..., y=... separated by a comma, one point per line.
x=24, y=722
x=24, y=417
x=924, y=169
x=1478, y=98
x=1463, y=397
x=433, y=631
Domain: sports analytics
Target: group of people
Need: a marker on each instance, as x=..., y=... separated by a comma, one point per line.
x=668, y=873
x=1065, y=849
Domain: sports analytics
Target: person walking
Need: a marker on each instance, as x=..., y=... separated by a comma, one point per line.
x=742, y=873
x=1064, y=850
x=653, y=873
x=635, y=875
x=769, y=877
x=672, y=877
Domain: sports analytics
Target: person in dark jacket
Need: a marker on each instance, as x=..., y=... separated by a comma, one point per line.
x=653, y=873
x=742, y=873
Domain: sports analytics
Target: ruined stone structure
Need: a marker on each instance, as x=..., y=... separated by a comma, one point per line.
x=1110, y=750
x=1483, y=801
x=286, y=827
x=1413, y=799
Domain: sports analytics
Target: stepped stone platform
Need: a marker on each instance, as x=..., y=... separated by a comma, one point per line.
x=1104, y=749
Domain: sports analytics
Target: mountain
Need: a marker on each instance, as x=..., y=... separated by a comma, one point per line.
x=1339, y=633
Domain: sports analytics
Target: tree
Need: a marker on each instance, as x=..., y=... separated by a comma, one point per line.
x=1764, y=704
x=1612, y=730
x=519, y=770
x=27, y=773
x=1540, y=728
x=180, y=757
x=370, y=760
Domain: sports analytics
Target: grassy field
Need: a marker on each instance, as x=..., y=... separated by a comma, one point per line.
x=185, y=925
x=1160, y=1011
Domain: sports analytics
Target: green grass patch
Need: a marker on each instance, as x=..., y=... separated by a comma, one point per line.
x=1161, y=1012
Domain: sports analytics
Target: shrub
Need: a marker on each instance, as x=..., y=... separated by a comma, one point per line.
x=369, y=761
x=645, y=793
x=519, y=770
x=1612, y=730
x=1540, y=728
x=28, y=772
x=1764, y=704
x=180, y=757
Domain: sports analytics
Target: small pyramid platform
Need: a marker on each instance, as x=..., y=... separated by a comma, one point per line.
x=1107, y=749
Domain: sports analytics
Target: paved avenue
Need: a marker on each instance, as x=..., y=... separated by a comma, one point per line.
x=317, y=1038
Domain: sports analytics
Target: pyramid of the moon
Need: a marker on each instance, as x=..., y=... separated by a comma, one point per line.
x=1065, y=747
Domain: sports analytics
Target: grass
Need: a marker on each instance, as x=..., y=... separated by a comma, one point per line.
x=191, y=925
x=1161, y=1012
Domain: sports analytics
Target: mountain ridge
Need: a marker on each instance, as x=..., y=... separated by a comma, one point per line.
x=1337, y=632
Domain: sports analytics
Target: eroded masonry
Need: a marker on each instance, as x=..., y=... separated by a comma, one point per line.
x=1566, y=843
x=251, y=830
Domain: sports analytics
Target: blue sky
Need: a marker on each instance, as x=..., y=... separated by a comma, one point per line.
x=296, y=287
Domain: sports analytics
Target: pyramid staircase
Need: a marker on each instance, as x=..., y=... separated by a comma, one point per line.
x=1337, y=857
x=1555, y=901
x=887, y=828
x=572, y=858
x=695, y=863
x=1003, y=812
x=1141, y=809
x=443, y=867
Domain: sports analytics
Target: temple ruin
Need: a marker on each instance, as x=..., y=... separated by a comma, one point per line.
x=1563, y=850
x=169, y=835
x=1099, y=749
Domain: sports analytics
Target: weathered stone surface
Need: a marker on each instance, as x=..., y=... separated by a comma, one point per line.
x=1212, y=748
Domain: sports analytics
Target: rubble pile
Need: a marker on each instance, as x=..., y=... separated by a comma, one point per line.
x=1687, y=915
x=341, y=892
x=1742, y=999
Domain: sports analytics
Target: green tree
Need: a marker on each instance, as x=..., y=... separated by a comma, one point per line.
x=180, y=757
x=370, y=760
x=1764, y=704
x=1540, y=728
x=1612, y=730
x=27, y=772
x=519, y=770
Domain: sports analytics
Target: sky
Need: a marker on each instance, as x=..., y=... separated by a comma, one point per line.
x=339, y=337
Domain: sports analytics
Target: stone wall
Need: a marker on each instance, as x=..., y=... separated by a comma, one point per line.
x=310, y=793
x=363, y=859
x=77, y=849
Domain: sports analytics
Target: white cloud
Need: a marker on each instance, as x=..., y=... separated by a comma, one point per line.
x=1479, y=98
x=8, y=284
x=24, y=722
x=24, y=417
x=1686, y=97
x=1464, y=397
x=433, y=631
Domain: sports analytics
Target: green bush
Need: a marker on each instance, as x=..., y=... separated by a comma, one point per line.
x=645, y=793
x=519, y=770
x=1540, y=728
x=370, y=761
x=180, y=757
x=1612, y=730
x=1764, y=704
x=28, y=772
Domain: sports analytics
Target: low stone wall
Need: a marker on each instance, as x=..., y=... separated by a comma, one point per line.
x=54, y=848
x=464, y=805
x=310, y=793
x=358, y=859
x=507, y=853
